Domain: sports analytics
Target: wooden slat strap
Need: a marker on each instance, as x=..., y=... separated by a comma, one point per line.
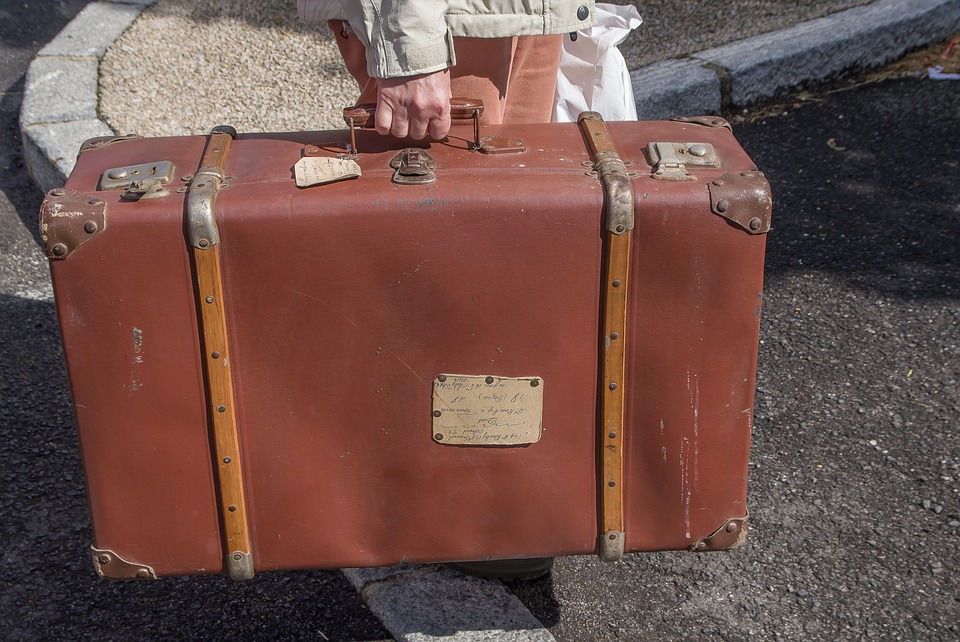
x=618, y=221
x=204, y=241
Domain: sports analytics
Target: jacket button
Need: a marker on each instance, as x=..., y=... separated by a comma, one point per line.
x=583, y=13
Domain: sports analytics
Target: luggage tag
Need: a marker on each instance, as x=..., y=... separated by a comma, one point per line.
x=319, y=170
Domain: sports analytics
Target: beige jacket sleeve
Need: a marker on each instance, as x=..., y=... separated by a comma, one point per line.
x=402, y=37
x=408, y=37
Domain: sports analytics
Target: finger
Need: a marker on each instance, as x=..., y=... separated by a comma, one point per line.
x=440, y=127
x=400, y=127
x=418, y=129
x=383, y=119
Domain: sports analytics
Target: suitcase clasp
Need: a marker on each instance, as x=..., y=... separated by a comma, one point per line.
x=671, y=160
x=139, y=182
x=414, y=167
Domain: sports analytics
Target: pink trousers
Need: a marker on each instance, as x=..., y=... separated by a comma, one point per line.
x=514, y=77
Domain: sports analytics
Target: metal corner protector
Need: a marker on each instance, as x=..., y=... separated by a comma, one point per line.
x=111, y=566
x=744, y=199
x=68, y=219
x=731, y=534
x=611, y=546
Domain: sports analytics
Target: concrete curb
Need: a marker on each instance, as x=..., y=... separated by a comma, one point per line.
x=59, y=109
x=60, y=96
x=763, y=67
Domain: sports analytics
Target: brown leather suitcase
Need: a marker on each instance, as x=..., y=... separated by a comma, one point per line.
x=525, y=341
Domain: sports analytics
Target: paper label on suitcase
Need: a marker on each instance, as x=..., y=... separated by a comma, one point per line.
x=486, y=410
x=310, y=171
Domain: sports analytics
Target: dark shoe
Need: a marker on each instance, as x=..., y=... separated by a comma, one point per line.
x=522, y=569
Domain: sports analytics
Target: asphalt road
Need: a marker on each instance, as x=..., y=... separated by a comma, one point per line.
x=854, y=483
x=48, y=590
x=854, y=480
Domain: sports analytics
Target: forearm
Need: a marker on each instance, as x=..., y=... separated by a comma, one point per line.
x=403, y=37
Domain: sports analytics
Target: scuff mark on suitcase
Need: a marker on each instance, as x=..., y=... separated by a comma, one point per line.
x=135, y=383
x=695, y=405
x=685, y=490
x=404, y=363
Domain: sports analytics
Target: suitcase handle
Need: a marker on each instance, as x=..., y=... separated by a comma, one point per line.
x=362, y=117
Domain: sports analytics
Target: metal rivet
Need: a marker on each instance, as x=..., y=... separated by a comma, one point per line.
x=238, y=557
x=104, y=559
x=747, y=174
x=612, y=536
x=583, y=13
x=90, y=227
x=232, y=508
x=614, y=336
x=534, y=383
x=611, y=483
x=489, y=380
x=57, y=192
x=612, y=435
x=209, y=299
x=203, y=243
x=142, y=573
x=613, y=385
x=620, y=228
x=59, y=249
x=438, y=436
x=94, y=201
x=755, y=224
x=698, y=150
x=616, y=283
x=718, y=182
x=437, y=413
x=732, y=527
x=221, y=408
x=215, y=355
x=723, y=206
x=442, y=378
x=227, y=460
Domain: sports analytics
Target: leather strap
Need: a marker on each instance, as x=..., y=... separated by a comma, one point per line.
x=201, y=197
x=618, y=221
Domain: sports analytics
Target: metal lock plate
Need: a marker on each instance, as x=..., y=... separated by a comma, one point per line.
x=670, y=161
x=139, y=181
x=485, y=410
x=414, y=167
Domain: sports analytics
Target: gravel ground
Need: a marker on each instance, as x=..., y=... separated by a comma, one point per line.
x=165, y=75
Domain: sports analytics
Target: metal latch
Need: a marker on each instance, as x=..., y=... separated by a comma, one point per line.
x=139, y=181
x=671, y=160
x=414, y=167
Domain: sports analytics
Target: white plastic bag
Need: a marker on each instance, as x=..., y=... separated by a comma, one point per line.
x=593, y=75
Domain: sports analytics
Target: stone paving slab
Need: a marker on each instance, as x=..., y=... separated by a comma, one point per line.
x=61, y=90
x=50, y=149
x=675, y=87
x=433, y=604
x=94, y=29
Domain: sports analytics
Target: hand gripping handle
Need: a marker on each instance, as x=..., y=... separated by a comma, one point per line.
x=363, y=116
